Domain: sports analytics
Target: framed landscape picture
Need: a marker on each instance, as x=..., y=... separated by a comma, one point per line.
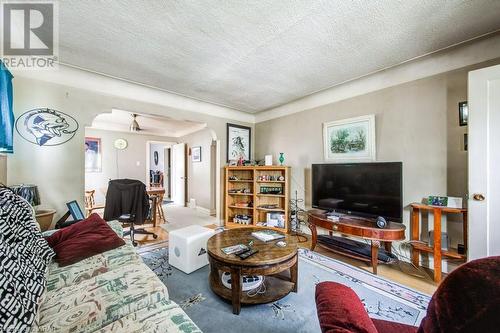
x=238, y=142
x=350, y=139
x=93, y=156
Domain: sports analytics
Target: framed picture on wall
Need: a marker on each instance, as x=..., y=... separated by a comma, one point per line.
x=238, y=142
x=463, y=113
x=196, y=154
x=350, y=139
x=93, y=155
x=155, y=157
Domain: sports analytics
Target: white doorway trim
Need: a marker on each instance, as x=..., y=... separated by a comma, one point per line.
x=179, y=171
x=167, y=144
x=217, y=182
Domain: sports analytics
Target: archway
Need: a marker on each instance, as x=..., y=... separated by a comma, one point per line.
x=134, y=160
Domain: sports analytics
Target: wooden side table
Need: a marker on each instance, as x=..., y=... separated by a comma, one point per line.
x=436, y=250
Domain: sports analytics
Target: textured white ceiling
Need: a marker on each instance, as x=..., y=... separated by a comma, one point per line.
x=120, y=120
x=255, y=55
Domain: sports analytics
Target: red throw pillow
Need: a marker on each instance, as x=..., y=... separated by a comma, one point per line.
x=83, y=240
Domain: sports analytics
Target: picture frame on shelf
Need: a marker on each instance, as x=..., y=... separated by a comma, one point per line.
x=239, y=142
x=351, y=139
x=275, y=219
x=196, y=154
x=463, y=113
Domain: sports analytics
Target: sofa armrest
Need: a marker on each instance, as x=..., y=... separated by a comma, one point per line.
x=340, y=310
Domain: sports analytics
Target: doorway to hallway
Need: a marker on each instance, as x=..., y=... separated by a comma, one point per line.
x=159, y=166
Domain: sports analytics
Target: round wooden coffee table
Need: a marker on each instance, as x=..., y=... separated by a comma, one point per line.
x=279, y=265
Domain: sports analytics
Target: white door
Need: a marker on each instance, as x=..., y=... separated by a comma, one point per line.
x=179, y=174
x=484, y=162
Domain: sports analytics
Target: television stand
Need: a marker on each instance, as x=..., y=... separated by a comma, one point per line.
x=358, y=227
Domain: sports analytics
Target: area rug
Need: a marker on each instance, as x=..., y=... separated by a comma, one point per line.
x=383, y=299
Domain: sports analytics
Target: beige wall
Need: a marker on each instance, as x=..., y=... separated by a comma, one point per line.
x=200, y=181
x=59, y=170
x=416, y=123
x=410, y=127
x=3, y=169
x=127, y=163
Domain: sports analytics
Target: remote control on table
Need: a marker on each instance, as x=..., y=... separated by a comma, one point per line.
x=241, y=251
x=247, y=254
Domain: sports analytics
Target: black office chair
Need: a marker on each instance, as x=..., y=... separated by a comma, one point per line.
x=128, y=202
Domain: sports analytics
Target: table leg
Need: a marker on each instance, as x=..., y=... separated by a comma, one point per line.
x=388, y=246
x=158, y=212
x=375, y=246
x=464, y=220
x=415, y=230
x=236, y=289
x=437, y=245
x=293, y=275
x=161, y=209
x=314, y=235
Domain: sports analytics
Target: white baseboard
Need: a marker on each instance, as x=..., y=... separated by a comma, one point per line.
x=205, y=210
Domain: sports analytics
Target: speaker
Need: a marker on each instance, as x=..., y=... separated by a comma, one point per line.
x=381, y=222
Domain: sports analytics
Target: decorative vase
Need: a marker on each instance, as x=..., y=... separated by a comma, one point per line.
x=281, y=158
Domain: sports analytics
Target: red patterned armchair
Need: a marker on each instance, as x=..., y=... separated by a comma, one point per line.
x=468, y=300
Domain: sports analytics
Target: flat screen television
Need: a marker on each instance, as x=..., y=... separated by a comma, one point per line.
x=364, y=189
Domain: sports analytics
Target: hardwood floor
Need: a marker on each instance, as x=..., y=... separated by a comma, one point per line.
x=403, y=272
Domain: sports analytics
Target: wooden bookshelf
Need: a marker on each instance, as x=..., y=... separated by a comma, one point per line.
x=254, y=179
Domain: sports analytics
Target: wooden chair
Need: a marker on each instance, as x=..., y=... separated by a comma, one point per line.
x=90, y=205
x=157, y=180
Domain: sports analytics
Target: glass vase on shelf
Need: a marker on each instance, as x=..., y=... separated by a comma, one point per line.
x=281, y=158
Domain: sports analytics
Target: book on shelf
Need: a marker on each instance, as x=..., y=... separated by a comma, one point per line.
x=267, y=235
x=269, y=206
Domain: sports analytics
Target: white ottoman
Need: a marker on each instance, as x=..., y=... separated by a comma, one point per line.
x=187, y=248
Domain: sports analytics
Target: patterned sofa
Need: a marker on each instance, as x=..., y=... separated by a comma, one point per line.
x=110, y=292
